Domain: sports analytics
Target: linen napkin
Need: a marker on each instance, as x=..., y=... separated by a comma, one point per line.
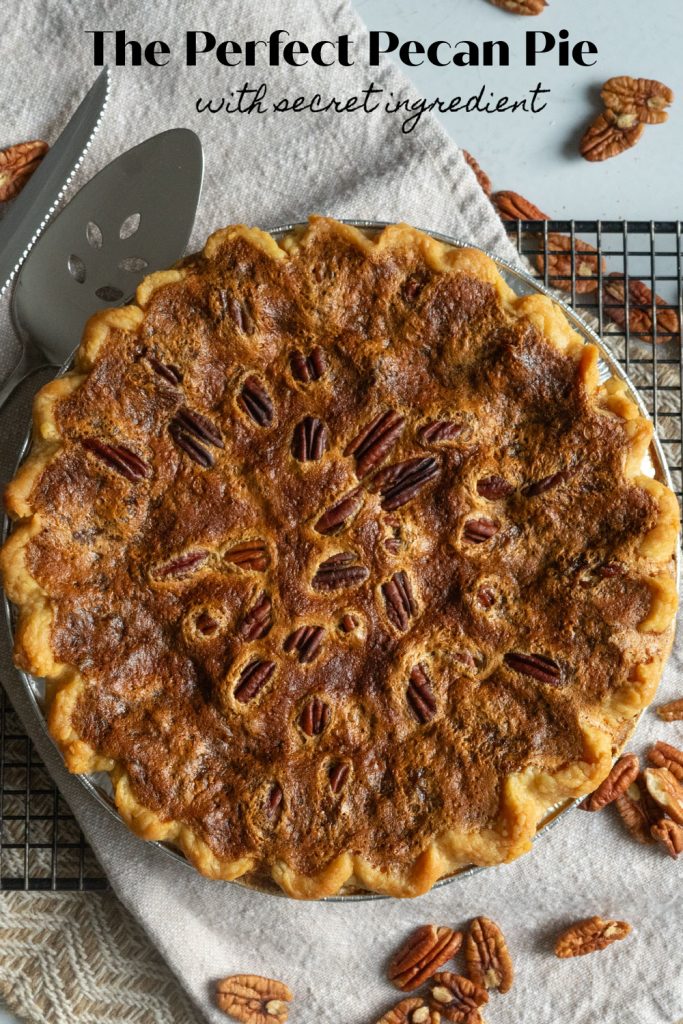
x=268, y=170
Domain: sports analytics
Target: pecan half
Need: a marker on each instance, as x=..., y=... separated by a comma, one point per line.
x=671, y=712
x=590, y=935
x=314, y=717
x=439, y=432
x=239, y=310
x=253, y=678
x=258, y=622
x=338, y=775
x=420, y=695
x=399, y=601
x=457, y=999
x=252, y=999
x=557, y=258
x=339, y=571
x=256, y=401
x=338, y=517
x=644, y=97
x=411, y=1011
x=274, y=801
x=477, y=531
x=180, y=566
x=17, y=164
x=486, y=597
x=306, y=641
x=609, y=135
x=171, y=374
x=400, y=483
x=494, y=487
x=532, y=490
x=670, y=835
x=121, y=460
x=521, y=6
x=666, y=791
x=348, y=623
x=480, y=175
x=489, y=964
x=308, y=368
x=623, y=773
x=640, y=302
x=638, y=811
x=206, y=624
x=373, y=444
x=535, y=665
x=309, y=440
x=663, y=755
x=512, y=206
x=250, y=554
x=421, y=956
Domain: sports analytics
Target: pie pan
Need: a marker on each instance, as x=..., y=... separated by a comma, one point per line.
x=654, y=465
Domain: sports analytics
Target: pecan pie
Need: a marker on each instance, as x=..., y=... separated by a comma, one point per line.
x=338, y=557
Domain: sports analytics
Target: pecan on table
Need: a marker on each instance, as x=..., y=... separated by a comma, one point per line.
x=663, y=755
x=17, y=164
x=421, y=956
x=489, y=964
x=252, y=999
x=638, y=810
x=590, y=935
x=609, y=135
x=644, y=97
x=521, y=6
x=671, y=712
x=480, y=175
x=641, y=302
x=666, y=791
x=670, y=835
x=623, y=773
x=557, y=259
x=512, y=206
x=411, y=1011
x=458, y=999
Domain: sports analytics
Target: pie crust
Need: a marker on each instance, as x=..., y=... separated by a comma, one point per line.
x=338, y=557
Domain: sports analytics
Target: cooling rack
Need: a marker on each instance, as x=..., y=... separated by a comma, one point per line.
x=41, y=845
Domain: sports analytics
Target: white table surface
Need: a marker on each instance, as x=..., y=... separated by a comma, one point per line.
x=537, y=155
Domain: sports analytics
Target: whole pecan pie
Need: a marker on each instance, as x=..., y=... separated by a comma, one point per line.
x=338, y=557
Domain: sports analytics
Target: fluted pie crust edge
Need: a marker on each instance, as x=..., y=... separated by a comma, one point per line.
x=526, y=796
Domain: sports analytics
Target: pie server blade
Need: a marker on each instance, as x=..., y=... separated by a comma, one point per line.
x=131, y=219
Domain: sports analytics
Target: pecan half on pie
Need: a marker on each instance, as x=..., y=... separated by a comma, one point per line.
x=338, y=557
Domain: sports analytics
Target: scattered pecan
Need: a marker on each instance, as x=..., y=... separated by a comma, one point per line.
x=180, y=566
x=638, y=811
x=623, y=773
x=338, y=571
x=663, y=755
x=512, y=206
x=121, y=460
x=310, y=367
x=439, y=432
x=533, y=489
x=400, y=483
x=256, y=401
x=250, y=554
x=609, y=135
x=671, y=712
x=338, y=775
x=306, y=641
x=521, y=6
x=314, y=717
x=666, y=791
x=494, y=487
x=411, y=1011
x=171, y=374
x=338, y=517
x=458, y=999
x=644, y=97
x=558, y=259
x=670, y=835
x=420, y=695
x=309, y=440
x=477, y=531
x=17, y=164
x=399, y=601
x=421, y=956
x=489, y=964
x=373, y=444
x=640, y=305
x=535, y=665
x=258, y=621
x=480, y=175
x=590, y=935
x=253, y=678
x=252, y=999
x=348, y=623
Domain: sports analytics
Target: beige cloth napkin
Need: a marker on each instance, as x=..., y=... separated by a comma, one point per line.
x=270, y=170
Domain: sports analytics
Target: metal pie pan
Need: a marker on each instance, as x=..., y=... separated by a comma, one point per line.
x=98, y=784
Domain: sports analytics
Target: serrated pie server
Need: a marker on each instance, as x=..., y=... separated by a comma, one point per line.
x=134, y=217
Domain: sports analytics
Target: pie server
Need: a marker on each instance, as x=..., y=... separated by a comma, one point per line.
x=131, y=219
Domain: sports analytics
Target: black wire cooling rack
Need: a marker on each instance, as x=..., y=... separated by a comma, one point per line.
x=635, y=298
